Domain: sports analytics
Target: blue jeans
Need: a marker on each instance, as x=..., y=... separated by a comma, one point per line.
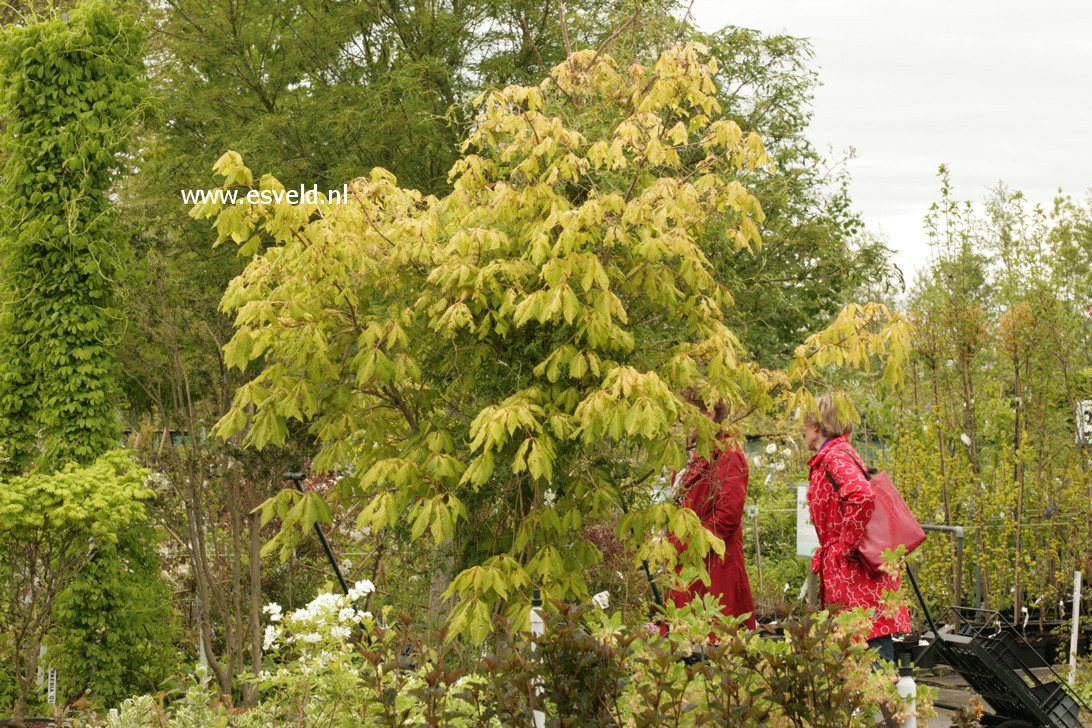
x=884, y=647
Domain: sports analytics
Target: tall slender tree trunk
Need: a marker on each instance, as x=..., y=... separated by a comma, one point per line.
x=1018, y=448
x=443, y=563
x=250, y=693
x=956, y=575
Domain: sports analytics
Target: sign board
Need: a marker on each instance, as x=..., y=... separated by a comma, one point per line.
x=807, y=540
x=52, y=690
x=1084, y=421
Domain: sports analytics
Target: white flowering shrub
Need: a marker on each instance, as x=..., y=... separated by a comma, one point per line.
x=313, y=664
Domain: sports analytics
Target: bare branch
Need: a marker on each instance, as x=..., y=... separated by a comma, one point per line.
x=564, y=28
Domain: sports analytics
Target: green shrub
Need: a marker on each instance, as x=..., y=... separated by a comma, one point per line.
x=51, y=526
x=114, y=624
x=333, y=664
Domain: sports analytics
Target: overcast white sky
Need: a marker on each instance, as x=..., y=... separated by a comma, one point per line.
x=996, y=89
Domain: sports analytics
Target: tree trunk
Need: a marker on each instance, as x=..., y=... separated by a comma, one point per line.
x=27, y=679
x=443, y=562
x=250, y=692
x=1018, y=448
x=956, y=575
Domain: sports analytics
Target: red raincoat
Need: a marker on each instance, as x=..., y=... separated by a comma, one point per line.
x=840, y=518
x=716, y=492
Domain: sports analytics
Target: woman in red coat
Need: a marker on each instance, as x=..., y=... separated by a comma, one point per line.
x=840, y=503
x=715, y=490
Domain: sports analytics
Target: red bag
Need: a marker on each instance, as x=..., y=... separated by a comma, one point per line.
x=892, y=524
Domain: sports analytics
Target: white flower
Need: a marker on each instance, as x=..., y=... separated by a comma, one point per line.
x=549, y=497
x=787, y=452
x=273, y=610
x=771, y=449
x=966, y=439
x=346, y=564
x=339, y=633
x=309, y=637
x=347, y=614
x=271, y=635
x=360, y=589
x=326, y=602
x=602, y=600
x=758, y=462
x=780, y=466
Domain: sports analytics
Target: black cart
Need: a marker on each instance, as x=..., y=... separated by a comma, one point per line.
x=991, y=655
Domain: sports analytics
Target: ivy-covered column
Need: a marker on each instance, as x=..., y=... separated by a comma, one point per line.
x=70, y=91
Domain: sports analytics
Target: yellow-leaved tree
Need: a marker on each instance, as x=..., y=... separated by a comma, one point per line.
x=494, y=367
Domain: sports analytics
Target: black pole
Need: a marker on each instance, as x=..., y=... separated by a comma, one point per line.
x=296, y=478
x=921, y=600
x=652, y=583
x=938, y=641
x=644, y=562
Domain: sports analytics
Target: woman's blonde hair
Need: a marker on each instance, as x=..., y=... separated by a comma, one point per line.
x=827, y=419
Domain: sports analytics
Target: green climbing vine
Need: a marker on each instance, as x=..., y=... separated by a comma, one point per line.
x=71, y=90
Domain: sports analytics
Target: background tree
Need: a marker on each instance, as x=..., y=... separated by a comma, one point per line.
x=815, y=254
x=983, y=436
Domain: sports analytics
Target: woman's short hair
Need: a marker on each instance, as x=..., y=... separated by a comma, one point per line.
x=719, y=409
x=827, y=419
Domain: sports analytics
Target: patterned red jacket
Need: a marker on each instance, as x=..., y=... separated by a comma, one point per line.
x=840, y=518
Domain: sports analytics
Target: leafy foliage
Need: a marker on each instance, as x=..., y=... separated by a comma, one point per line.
x=114, y=625
x=585, y=669
x=983, y=435
x=70, y=90
x=51, y=525
x=814, y=256
x=524, y=332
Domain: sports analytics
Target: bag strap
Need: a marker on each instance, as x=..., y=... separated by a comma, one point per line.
x=867, y=472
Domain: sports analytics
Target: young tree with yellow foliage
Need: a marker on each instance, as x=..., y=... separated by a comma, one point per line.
x=491, y=367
